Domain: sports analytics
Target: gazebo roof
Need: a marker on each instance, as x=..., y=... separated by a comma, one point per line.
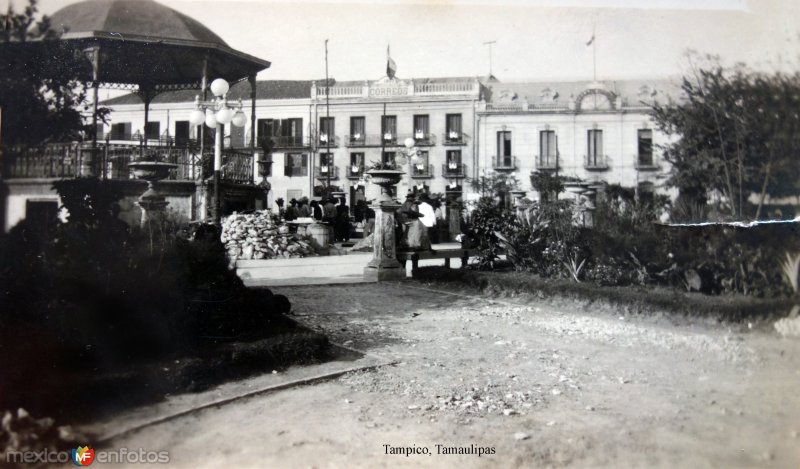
x=148, y=44
x=129, y=18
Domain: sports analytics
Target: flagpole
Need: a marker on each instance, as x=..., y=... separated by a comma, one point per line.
x=327, y=124
x=489, y=43
x=594, y=52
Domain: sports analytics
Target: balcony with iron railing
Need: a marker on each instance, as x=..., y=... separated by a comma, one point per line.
x=355, y=171
x=646, y=162
x=372, y=140
x=323, y=172
x=355, y=140
x=454, y=138
x=504, y=163
x=286, y=142
x=421, y=139
x=454, y=170
x=110, y=161
x=324, y=141
x=390, y=139
x=421, y=171
x=595, y=162
x=291, y=170
x=548, y=163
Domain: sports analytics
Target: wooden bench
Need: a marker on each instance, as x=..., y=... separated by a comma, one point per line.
x=446, y=254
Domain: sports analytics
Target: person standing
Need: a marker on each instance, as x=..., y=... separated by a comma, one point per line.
x=302, y=208
x=428, y=217
x=441, y=222
x=329, y=211
x=316, y=210
x=291, y=212
x=402, y=219
x=369, y=221
x=417, y=233
x=342, y=225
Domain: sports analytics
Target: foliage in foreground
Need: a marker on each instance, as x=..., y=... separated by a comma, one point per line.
x=626, y=247
x=739, y=134
x=93, y=295
x=39, y=95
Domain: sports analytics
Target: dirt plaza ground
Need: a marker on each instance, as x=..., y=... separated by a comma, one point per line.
x=548, y=384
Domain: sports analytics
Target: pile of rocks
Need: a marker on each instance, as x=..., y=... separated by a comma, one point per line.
x=257, y=236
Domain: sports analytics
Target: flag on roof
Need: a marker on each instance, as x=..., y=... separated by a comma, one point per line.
x=391, y=67
x=590, y=41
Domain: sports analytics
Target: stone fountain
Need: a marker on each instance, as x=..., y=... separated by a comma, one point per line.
x=384, y=265
x=152, y=202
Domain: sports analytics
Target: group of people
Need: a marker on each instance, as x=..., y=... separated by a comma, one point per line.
x=326, y=211
x=418, y=222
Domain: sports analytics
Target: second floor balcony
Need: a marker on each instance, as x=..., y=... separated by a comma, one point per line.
x=355, y=171
x=454, y=170
x=356, y=140
x=285, y=142
x=646, y=162
x=421, y=171
x=325, y=141
x=421, y=139
x=595, y=162
x=504, y=163
x=387, y=139
x=546, y=163
x=454, y=138
x=324, y=172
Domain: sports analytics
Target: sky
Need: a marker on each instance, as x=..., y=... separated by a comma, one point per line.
x=533, y=39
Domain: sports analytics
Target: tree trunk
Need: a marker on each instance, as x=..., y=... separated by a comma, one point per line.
x=763, y=194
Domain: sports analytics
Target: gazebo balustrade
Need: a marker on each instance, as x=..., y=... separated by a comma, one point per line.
x=65, y=160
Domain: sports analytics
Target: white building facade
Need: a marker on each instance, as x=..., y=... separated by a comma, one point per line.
x=462, y=129
x=595, y=132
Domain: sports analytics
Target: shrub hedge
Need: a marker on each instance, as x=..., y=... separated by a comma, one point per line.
x=94, y=296
x=626, y=247
x=630, y=299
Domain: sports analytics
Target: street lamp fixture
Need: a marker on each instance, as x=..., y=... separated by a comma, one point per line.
x=412, y=156
x=215, y=114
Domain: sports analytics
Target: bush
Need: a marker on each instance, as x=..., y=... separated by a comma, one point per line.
x=732, y=259
x=92, y=294
x=626, y=247
x=541, y=238
x=485, y=222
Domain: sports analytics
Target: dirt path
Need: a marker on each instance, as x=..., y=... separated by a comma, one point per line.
x=542, y=385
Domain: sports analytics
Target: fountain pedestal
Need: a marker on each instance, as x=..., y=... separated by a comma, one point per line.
x=152, y=202
x=384, y=265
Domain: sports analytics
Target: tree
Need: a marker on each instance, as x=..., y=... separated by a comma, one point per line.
x=737, y=135
x=39, y=95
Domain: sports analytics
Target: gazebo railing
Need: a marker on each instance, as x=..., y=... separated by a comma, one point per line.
x=58, y=160
x=237, y=167
x=68, y=160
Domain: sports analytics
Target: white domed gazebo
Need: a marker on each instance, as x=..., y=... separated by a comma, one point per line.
x=147, y=48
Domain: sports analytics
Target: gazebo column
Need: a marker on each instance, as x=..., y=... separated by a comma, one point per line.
x=146, y=93
x=252, y=79
x=202, y=135
x=89, y=162
x=202, y=188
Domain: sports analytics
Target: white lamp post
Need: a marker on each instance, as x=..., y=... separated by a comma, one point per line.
x=412, y=155
x=215, y=114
